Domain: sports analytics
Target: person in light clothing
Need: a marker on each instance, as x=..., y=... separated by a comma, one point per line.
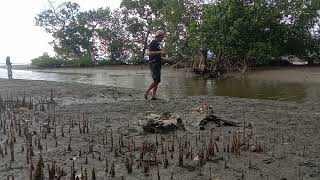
x=9, y=67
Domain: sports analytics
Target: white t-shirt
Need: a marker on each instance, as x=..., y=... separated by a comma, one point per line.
x=210, y=55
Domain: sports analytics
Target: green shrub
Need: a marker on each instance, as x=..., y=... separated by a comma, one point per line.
x=104, y=62
x=84, y=61
x=136, y=59
x=45, y=61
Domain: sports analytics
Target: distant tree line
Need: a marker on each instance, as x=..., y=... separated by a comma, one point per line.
x=255, y=31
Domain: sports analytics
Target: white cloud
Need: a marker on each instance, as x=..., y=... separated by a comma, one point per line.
x=20, y=38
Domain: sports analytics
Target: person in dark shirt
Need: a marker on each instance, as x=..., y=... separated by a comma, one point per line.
x=155, y=54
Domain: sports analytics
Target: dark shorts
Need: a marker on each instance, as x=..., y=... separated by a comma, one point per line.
x=155, y=71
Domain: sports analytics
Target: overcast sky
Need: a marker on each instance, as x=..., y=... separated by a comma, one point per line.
x=20, y=38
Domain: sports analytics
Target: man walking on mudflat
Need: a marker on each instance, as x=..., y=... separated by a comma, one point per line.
x=155, y=54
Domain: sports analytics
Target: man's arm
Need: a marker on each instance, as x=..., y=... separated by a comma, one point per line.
x=155, y=52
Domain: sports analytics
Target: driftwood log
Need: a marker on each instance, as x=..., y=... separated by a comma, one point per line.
x=218, y=121
x=164, y=123
x=205, y=114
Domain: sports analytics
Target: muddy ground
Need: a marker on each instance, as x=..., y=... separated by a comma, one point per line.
x=97, y=127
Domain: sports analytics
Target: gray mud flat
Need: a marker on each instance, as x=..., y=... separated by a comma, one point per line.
x=93, y=132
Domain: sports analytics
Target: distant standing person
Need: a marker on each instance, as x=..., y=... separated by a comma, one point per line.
x=210, y=55
x=9, y=67
x=155, y=54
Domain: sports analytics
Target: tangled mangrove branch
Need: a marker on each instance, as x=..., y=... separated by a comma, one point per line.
x=217, y=66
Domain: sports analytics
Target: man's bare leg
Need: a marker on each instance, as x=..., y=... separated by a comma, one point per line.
x=154, y=92
x=152, y=85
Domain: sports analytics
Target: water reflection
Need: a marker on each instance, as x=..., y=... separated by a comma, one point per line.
x=197, y=86
x=246, y=87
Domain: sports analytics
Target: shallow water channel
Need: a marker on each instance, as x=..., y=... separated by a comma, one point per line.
x=300, y=84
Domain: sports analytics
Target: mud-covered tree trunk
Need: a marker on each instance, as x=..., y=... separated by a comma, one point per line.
x=200, y=64
x=310, y=61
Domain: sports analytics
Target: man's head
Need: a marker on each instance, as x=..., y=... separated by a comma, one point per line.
x=159, y=35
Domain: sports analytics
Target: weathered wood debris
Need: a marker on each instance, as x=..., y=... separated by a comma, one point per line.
x=164, y=123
